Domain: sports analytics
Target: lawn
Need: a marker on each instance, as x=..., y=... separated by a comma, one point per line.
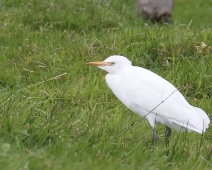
x=58, y=113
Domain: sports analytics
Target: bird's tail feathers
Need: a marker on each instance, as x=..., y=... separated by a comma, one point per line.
x=188, y=126
x=204, y=117
x=198, y=124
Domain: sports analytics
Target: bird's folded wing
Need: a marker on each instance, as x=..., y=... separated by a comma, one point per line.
x=155, y=94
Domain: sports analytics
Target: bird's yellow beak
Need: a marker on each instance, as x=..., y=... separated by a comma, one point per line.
x=100, y=63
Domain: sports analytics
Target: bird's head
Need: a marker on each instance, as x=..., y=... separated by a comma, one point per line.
x=112, y=64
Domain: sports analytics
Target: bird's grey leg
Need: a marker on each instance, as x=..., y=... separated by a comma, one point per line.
x=167, y=135
x=155, y=136
x=168, y=132
x=152, y=122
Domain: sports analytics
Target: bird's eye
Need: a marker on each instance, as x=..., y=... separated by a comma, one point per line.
x=112, y=62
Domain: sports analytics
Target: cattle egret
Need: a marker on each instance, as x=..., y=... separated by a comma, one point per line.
x=151, y=96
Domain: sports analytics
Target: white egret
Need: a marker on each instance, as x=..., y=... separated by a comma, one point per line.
x=151, y=96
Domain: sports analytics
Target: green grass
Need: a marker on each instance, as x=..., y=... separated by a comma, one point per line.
x=73, y=121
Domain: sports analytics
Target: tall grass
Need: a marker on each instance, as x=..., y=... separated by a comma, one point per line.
x=57, y=113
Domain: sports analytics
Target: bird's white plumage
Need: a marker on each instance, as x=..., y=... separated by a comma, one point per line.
x=152, y=97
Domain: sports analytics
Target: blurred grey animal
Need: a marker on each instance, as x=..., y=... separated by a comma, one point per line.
x=155, y=10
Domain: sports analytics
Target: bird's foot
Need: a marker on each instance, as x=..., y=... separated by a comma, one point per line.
x=167, y=135
x=155, y=137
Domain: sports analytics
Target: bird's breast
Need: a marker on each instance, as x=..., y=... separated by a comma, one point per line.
x=118, y=85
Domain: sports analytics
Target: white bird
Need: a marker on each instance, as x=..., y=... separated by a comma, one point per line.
x=151, y=96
